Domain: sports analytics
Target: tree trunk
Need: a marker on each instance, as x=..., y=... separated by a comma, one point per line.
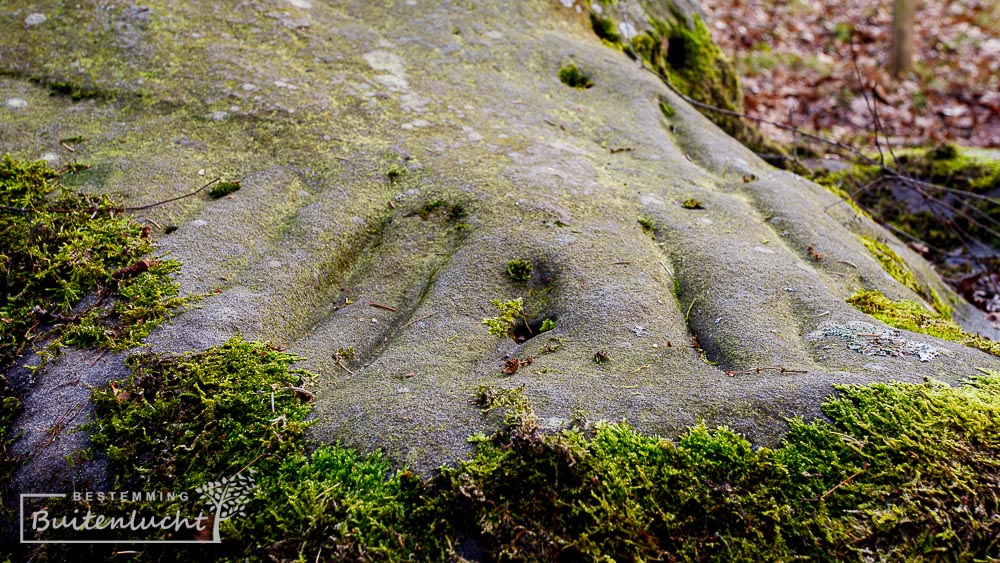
x=901, y=53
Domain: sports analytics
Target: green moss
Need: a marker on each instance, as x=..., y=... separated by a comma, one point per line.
x=944, y=151
x=911, y=316
x=213, y=407
x=76, y=92
x=58, y=247
x=180, y=421
x=222, y=189
x=71, y=272
x=899, y=470
x=454, y=211
x=648, y=226
x=510, y=313
x=896, y=469
x=897, y=268
x=605, y=28
x=547, y=325
x=571, y=76
x=667, y=110
x=346, y=505
x=692, y=204
x=684, y=54
x=519, y=270
x=395, y=172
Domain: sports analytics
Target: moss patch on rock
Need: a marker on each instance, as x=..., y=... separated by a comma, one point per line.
x=60, y=247
x=911, y=316
x=71, y=273
x=232, y=405
x=573, y=77
x=899, y=469
x=683, y=53
x=181, y=421
x=882, y=476
x=897, y=268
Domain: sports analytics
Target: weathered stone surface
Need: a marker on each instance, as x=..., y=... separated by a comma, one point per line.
x=342, y=120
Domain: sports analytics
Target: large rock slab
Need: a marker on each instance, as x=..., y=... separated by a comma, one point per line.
x=346, y=121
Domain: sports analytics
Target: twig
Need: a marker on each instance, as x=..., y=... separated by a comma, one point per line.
x=147, y=206
x=380, y=306
x=110, y=210
x=849, y=263
x=839, y=485
x=99, y=356
x=622, y=263
x=60, y=424
x=342, y=366
x=252, y=461
x=761, y=369
x=67, y=147
x=148, y=220
x=666, y=268
x=425, y=317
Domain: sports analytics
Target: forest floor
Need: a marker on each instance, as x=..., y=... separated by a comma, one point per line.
x=809, y=62
x=821, y=67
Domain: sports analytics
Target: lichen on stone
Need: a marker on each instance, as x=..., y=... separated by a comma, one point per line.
x=911, y=316
x=872, y=340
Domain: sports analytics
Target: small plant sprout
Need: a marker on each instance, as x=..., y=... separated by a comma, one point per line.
x=572, y=77
x=692, y=204
x=648, y=226
x=547, y=325
x=667, y=109
x=519, y=270
x=510, y=311
x=395, y=171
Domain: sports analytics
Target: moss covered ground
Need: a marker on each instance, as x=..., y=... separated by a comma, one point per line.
x=900, y=470
x=943, y=219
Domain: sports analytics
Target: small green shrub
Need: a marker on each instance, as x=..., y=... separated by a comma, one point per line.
x=605, y=28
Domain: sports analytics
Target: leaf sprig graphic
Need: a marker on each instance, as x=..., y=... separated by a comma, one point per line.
x=229, y=496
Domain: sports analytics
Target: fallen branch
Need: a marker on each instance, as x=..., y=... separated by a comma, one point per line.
x=762, y=369
x=95, y=210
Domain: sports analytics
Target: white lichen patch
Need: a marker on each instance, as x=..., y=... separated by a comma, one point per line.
x=873, y=340
x=35, y=19
x=392, y=65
